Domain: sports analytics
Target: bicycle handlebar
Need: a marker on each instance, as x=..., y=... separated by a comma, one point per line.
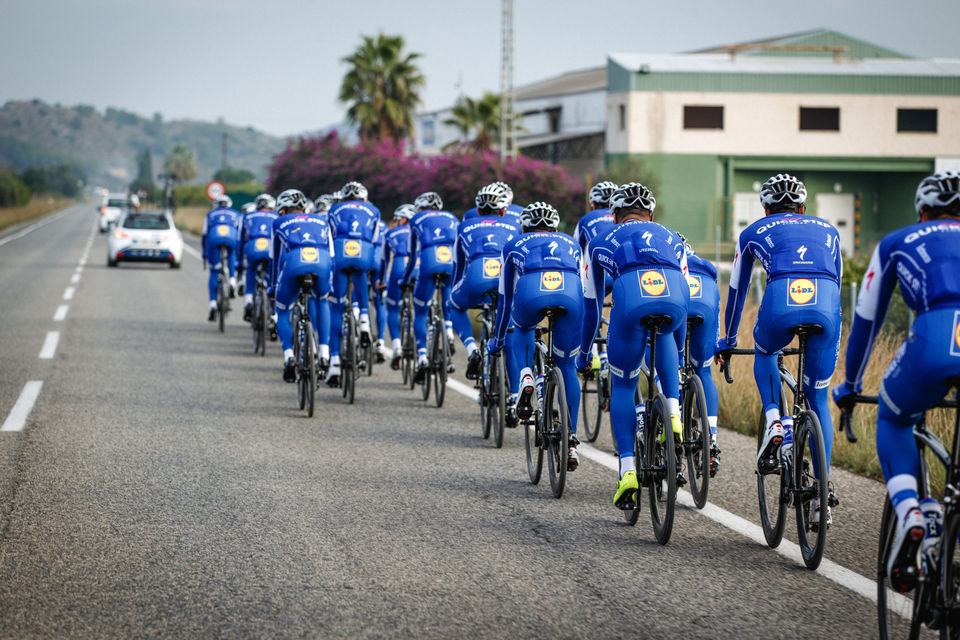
x=725, y=365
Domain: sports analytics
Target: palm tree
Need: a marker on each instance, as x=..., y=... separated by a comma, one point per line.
x=382, y=88
x=481, y=116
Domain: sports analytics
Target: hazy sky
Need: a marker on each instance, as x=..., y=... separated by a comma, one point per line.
x=275, y=64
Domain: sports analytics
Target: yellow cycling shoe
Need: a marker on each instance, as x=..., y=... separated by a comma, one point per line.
x=595, y=363
x=677, y=425
x=626, y=495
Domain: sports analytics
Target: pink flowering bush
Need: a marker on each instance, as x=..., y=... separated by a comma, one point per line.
x=393, y=176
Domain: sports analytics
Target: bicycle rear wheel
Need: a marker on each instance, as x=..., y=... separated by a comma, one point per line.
x=309, y=375
x=348, y=358
x=221, y=305
x=531, y=432
x=260, y=324
x=808, y=448
x=485, y=384
x=368, y=358
x=899, y=615
x=661, y=469
x=299, y=355
x=696, y=439
x=557, y=430
x=590, y=409
x=408, y=345
x=950, y=576
x=499, y=405
x=772, y=488
x=441, y=358
x=633, y=515
x=431, y=340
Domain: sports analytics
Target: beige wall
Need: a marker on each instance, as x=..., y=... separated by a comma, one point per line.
x=768, y=124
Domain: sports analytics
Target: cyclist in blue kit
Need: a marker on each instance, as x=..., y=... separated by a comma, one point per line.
x=354, y=224
x=379, y=300
x=512, y=210
x=256, y=237
x=478, y=249
x=432, y=235
x=221, y=228
x=541, y=270
x=301, y=245
x=647, y=262
x=396, y=252
x=801, y=255
x=924, y=259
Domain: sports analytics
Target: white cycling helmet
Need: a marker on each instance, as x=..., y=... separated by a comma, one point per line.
x=632, y=195
x=353, y=191
x=404, y=212
x=265, y=202
x=223, y=202
x=507, y=191
x=429, y=200
x=134, y=201
x=324, y=202
x=491, y=198
x=600, y=193
x=539, y=214
x=249, y=207
x=938, y=191
x=308, y=207
x=291, y=199
x=782, y=188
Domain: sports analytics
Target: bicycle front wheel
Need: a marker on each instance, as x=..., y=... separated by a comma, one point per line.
x=696, y=439
x=772, y=488
x=556, y=422
x=661, y=469
x=309, y=376
x=299, y=354
x=498, y=407
x=810, y=452
x=260, y=325
x=348, y=358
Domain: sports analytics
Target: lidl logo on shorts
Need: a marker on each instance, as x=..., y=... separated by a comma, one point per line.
x=955, y=345
x=551, y=281
x=261, y=244
x=443, y=254
x=351, y=248
x=223, y=230
x=491, y=267
x=801, y=291
x=309, y=254
x=696, y=286
x=653, y=283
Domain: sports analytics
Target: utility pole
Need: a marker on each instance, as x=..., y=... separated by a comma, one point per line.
x=507, y=130
x=223, y=153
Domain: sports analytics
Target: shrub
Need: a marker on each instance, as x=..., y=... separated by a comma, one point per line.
x=13, y=193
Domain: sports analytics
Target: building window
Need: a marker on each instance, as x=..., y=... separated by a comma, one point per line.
x=623, y=117
x=819, y=119
x=553, y=119
x=923, y=120
x=700, y=117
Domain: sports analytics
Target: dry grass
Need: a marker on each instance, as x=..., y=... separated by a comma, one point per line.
x=191, y=218
x=740, y=402
x=34, y=209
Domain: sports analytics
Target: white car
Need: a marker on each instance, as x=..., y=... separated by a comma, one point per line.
x=112, y=207
x=145, y=236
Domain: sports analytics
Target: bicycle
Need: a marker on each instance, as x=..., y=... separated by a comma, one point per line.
x=656, y=460
x=696, y=427
x=305, y=345
x=350, y=359
x=791, y=481
x=549, y=429
x=935, y=600
x=491, y=385
x=438, y=347
x=595, y=383
x=223, y=289
x=261, y=309
x=408, y=342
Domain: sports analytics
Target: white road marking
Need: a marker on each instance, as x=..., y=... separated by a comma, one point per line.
x=79, y=268
x=68, y=293
x=831, y=570
x=75, y=278
x=196, y=254
x=32, y=227
x=21, y=410
x=61, y=312
x=49, y=345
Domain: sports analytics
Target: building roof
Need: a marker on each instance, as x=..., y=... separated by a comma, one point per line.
x=817, y=42
x=579, y=81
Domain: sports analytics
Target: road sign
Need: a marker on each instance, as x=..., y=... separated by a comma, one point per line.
x=215, y=189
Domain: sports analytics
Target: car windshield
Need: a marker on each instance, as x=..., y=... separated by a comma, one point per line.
x=117, y=203
x=146, y=222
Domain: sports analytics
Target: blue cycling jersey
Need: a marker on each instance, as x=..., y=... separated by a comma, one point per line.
x=296, y=231
x=482, y=237
x=593, y=223
x=431, y=229
x=356, y=220
x=221, y=226
x=513, y=211
x=787, y=245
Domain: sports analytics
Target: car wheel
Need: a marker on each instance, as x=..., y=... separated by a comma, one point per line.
x=111, y=262
x=174, y=265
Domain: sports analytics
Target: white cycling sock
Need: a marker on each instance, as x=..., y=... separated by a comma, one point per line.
x=471, y=348
x=673, y=406
x=396, y=345
x=213, y=304
x=772, y=416
x=287, y=354
x=335, y=361
x=712, y=421
x=324, y=352
x=248, y=298
x=627, y=463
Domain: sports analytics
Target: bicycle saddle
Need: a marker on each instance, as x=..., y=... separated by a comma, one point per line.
x=656, y=320
x=806, y=329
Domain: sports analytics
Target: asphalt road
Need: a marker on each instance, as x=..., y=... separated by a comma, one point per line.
x=165, y=485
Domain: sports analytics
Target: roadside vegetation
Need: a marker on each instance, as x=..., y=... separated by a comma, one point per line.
x=34, y=208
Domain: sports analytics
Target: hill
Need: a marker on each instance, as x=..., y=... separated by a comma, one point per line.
x=106, y=144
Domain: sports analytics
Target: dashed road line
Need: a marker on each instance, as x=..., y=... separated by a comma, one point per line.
x=61, y=312
x=852, y=580
x=33, y=227
x=75, y=278
x=196, y=254
x=49, y=345
x=68, y=293
x=21, y=410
